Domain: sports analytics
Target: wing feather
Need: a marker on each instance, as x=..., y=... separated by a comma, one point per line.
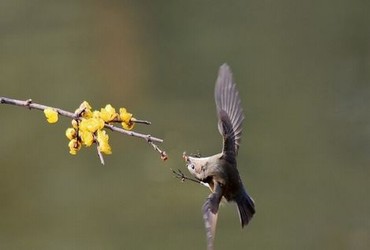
x=229, y=110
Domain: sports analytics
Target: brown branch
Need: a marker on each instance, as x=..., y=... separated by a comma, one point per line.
x=163, y=154
x=134, y=120
x=31, y=105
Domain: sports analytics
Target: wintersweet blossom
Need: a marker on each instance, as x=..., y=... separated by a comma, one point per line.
x=51, y=115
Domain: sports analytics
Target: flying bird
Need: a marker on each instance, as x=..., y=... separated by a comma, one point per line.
x=219, y=172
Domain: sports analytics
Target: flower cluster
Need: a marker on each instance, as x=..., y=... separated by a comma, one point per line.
x=88, y=127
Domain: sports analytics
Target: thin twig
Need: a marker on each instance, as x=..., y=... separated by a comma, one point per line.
x=132, y=133
x=134, y=120
x=99, y=153
x=98, y=150
x=31, y=105
x=140, y=121
x=156, y=148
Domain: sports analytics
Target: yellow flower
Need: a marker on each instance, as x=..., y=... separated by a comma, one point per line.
x=126, y=119
x=87, y=113
x=128, y=126
x=85, y=105
x=83, y=124
x=84, y=110
x=96, y=114
x=91, y=124
x=100, y=123
x=124, y=115
x=87, y=138
x=51, y=115
x=102, y=139
x=74, y=146
x=71, y=133
x=108, y=113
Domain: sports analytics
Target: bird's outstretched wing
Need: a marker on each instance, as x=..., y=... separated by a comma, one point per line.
x=229, y=111
x=210, y=212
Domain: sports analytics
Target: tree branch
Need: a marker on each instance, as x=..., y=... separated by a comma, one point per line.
x=31, y=105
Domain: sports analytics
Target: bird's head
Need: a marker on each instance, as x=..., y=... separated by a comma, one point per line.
x=196, y=165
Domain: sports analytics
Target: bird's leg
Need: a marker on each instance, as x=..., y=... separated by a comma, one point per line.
x=205, y=184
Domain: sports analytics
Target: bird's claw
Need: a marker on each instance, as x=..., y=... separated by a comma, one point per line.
x=180, y=175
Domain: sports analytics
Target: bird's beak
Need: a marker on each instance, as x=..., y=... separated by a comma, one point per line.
x=189, y=164
x=185, y=157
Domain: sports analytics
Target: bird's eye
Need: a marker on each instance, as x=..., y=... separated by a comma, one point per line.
x=192, y=167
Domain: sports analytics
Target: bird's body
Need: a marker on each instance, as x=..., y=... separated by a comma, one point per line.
x=219, y=171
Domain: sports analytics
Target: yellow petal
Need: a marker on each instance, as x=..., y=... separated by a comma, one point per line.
x=51, y=115
x=96, y=114
x=87, y=138
x=128, y=126
x=125, y=116
x=71, y=133
x=91, y=124
x=110, y=109
x=102, y=138
x=105, y=148
x=108, y=113
x=84, y=110
x=74, y=146
x=73, y=151
x=87, y=113
x=85, y=105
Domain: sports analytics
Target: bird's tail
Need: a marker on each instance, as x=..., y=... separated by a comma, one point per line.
x=245, y=208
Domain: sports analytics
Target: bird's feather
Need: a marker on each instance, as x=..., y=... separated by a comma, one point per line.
x=229, y=110
x=210, y=212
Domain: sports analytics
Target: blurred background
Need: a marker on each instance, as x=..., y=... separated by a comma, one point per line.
x=303, y=72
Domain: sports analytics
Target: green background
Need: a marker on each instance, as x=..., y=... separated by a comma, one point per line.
x=303, y=72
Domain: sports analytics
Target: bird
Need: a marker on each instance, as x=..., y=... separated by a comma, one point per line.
x=219, y=172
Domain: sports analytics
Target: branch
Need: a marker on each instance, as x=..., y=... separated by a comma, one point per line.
x=31, y=105
x=148, y=138
x=100, y=154
x=161, y=152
